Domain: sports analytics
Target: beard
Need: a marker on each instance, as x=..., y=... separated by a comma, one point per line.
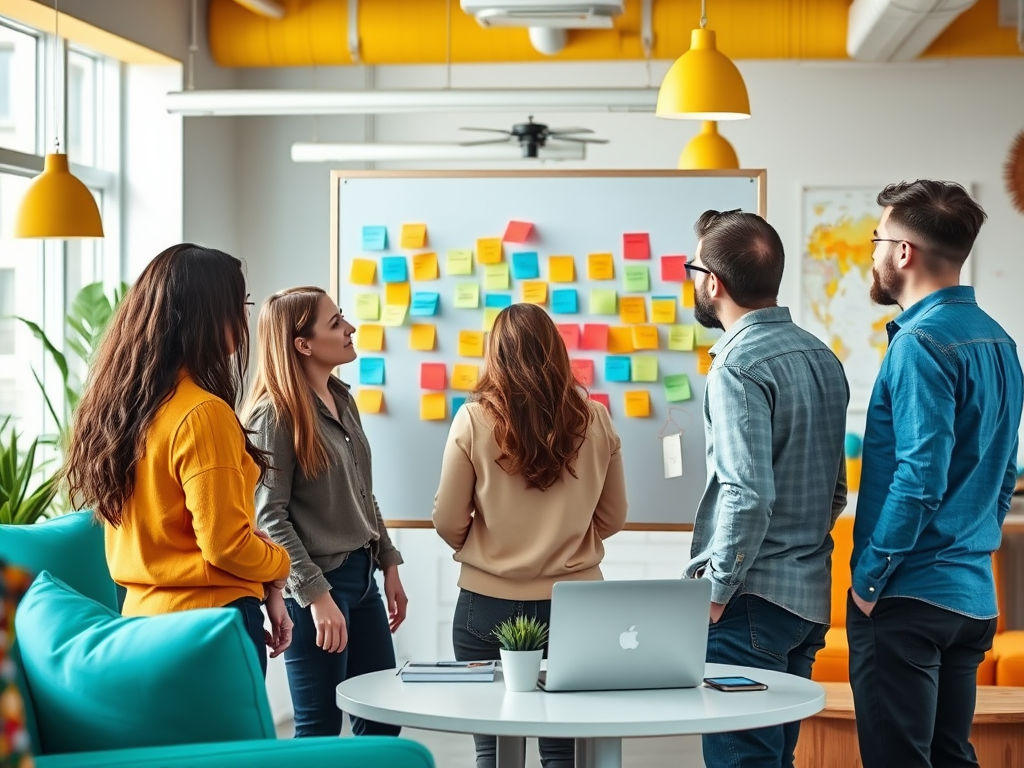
x=887, y=285
x=703, y=310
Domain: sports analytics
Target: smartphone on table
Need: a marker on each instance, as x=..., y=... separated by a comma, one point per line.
x=730, y=684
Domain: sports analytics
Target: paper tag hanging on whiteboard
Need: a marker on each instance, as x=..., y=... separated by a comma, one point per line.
x=672, y=454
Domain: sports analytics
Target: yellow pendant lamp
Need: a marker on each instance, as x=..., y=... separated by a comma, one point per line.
x=708, y=150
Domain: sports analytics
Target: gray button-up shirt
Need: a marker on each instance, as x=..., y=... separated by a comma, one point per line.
x=774, y=423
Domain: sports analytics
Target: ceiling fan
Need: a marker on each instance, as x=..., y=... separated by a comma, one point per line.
x=531, y=136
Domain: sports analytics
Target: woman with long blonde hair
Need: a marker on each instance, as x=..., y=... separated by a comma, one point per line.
x=531, y=484
x=317, y=501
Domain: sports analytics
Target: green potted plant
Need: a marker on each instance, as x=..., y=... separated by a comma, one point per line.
x=522, y=641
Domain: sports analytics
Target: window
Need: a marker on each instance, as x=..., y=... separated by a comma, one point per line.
x=84, y=107
x=19, y=50
x=6, y=310
x=6, y=58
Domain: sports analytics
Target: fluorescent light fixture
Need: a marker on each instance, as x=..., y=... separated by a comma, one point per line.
x=257, y=102
x=316, y=152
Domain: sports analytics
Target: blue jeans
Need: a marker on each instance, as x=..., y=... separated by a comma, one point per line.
x=314, y=674
x=252, y=617
x=756, y=633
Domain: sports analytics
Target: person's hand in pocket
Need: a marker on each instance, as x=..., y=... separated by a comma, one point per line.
x=862, y=605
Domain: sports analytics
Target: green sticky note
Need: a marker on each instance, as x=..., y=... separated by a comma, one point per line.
x=460, y=262
x=645, y=368
x=677, y=388
x=602, y=301
x=496, y=277
x=680, y=338
x=367, y=306
x=467, y=295
x=637, y=278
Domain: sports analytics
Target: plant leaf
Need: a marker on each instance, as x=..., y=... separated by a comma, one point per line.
x=56, y=354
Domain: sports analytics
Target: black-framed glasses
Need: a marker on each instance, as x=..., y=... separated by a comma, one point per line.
x=249, y=303
x=694, y=268
x=877, y=240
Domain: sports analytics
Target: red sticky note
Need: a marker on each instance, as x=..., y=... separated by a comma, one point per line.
x=636, y=245
x=583, y=370
x=595, y=336
x=673, y=269
x=570, y=335
x=432, y=375
x=517, y=231
x=597, y=397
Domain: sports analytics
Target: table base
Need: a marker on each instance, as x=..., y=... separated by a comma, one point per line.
x=590, y=753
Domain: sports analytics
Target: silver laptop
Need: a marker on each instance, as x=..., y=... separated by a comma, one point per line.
x=627, y=635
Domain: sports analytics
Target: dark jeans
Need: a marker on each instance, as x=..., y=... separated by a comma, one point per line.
x=756, y=633
x=252, y=616
x=314, y=674
x=476, y=617
x=913, y=670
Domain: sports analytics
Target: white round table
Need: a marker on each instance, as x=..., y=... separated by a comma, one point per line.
x=597, y=720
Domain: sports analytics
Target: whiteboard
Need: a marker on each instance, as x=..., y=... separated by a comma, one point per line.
x=573, y=213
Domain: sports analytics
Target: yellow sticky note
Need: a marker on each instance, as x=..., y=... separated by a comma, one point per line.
x=490, y=315
x=663, y=311
x=535, y=292
x=680, y=338
x=414, y=235
x=397, y=293
x=424, y=266
x=561, y=269
x=432, y=406
x=600, y=266
x=393, y=314
x=619, y=340
x=471, y=343
x=370, y=400
x=362, y=272
x=638, y=404
x=367, y=306
x=644, y=368
x=421, y=337
x=464, y=376
x=687, y=294
x=370, y=338
x=488, y=250
x=703, y=360
x=467, y=295
x=645, y=336
x=460, y=262
x=633, y=309
x=496, y=277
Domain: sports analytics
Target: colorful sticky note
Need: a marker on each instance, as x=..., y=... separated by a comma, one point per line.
x=663, y=309
x=645, y=336
x=706, y=337
x=465, y=376
x=370, y=338
x=422, y=337
x=488, y=250
x=459, y=262
x=535, y=292
x=616, y=368
x=595, y=336
x=680, y=338
x=561, y=269
x=600, y=266
x=424, y=266
x=677, y=388
x=497, y=300
x=370, y=400
x=467, y=295
x=457, y=402
x=393, y=314
x=496, y=277
x=636, y=278
x=525, y=266
x=424, y=303
x=633, y=309
x=432, y=375
x=602, y=301
x=645, y=368
x=603, y=399
x=620, y=339
x=367, y=306
x=687, y=294
x=432, y=406
x=375, y=238
x=673, y=269
x=414, y=236
x=362, y=272
x=636, y=245
x=397, y=293
x=638, y=404
x=517, y=232
x=471, y=343
x=570, y=335
x=703, y=360
x=564, y=301
x=393, y=269
x=371, y=370
x=490, y=316
x=583, y=370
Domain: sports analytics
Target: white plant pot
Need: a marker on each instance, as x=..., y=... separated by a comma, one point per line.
x=520, y=669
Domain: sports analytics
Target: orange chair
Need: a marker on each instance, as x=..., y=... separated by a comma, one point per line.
x=1008, y=645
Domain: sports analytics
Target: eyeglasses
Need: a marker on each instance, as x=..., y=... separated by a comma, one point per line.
x=876, y=240
x=695, y=268
x=249, y=303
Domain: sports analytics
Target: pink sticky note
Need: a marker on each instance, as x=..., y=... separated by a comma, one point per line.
x=432, y=375
x=604, y=400
x=636, y=245
x=570, y=335
x=673, y=269
x=583, y=370
x=595, y=336
x=517, y=232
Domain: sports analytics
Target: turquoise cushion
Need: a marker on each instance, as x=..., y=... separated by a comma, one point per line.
x=100, y=681
x=70, y=547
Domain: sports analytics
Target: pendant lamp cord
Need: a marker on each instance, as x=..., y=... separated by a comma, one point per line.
x=56, y=48
x=703, y=13
x=193, y=46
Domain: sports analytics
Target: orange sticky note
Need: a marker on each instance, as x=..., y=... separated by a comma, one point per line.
x=703, y=360
x=471, y=343
x=687, y=294
x=535, y=292
x=397, y=294
x=638, y=403
x=600, y=266
x=370, y=338
x=414, y=235
x=424, y=266
x=620, y=340
x=561, y=269
x=465, y=376
x=422, y=336
x=636, y=245
x=370, y=400
x=517, y=231
x=583, y=370
x=432, y=375
x=488, y=250
x=645, y=336
x=570, y=334
x=433, y=406
x=633, y=309
x=663, y=311
x=362, y=272
x=595, y=336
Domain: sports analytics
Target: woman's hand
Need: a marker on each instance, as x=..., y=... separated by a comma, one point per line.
x=331, y=629
x=396, y=598
x=280, y=635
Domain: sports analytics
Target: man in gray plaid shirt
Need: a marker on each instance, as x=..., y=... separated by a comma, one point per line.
x=774, y=423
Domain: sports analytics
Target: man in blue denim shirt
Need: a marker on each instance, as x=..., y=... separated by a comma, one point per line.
x=940, y=459
x=775, y=422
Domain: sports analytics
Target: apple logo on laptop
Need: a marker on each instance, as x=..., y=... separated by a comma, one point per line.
x=628, y=639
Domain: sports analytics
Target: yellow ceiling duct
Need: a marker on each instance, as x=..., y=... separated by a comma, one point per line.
x=315, y=32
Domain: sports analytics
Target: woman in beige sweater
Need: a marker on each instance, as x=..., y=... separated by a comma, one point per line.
x=531, y=485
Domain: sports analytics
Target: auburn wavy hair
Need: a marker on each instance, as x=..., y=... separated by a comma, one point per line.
x=280, y=380
x=186, y=312
x=540, y=413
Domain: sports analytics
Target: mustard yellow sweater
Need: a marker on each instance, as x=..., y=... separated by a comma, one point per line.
x=188, y=539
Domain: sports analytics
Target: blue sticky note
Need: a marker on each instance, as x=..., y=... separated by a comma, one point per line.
x=371, y=370
x=394, y=269
x=497, y=300
x=457, y=402
x=424, y=304
x=563, y=301
x=525, y=266
x=375, y=238
x=616, y=368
